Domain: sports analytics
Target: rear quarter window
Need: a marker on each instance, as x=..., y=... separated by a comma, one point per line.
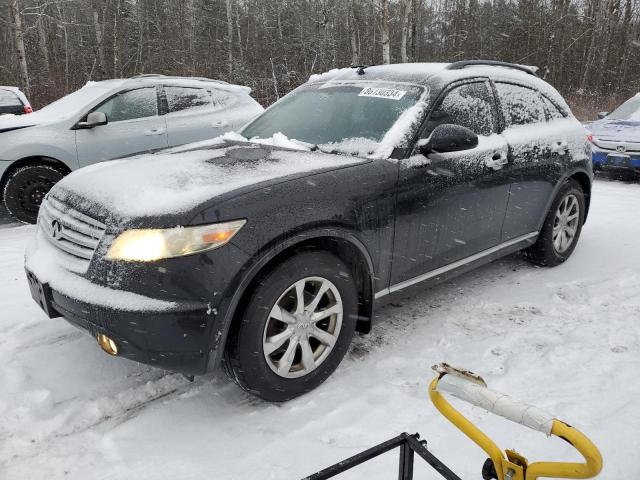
x=553, y=112
x=9, y=99
x=182, y=98
x=520, y=105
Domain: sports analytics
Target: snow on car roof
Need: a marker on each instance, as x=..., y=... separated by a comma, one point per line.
x=424, y=73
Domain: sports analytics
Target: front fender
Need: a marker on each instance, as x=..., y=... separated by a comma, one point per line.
x=249, y=272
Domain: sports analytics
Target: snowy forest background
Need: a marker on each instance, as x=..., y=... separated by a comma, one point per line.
x=588, y=49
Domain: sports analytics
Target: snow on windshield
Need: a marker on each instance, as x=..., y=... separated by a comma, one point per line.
x=352, y=117
x=176, y=182
x=629, y=110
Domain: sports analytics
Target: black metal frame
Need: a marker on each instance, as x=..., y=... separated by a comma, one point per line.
x=408, y=445
x=492, y=63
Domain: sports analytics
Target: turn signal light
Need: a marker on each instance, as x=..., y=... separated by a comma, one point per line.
x=107, y=344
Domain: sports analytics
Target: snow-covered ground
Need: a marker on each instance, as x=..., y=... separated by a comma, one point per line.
x=566, y=339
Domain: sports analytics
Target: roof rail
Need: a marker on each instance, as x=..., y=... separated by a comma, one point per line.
x=159, y=75
x=491, y=63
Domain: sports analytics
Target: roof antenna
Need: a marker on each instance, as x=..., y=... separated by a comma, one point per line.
x=360, y=69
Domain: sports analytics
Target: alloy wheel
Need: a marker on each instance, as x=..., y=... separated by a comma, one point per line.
x=565, y=223
x=303, y=327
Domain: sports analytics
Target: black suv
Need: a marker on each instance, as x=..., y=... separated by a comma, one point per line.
x=266, y=250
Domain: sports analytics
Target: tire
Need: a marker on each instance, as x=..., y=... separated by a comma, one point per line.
x=551, y=250
x=25, y=189
x=260, y=343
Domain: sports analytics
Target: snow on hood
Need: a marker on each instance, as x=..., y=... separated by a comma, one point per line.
x=621, y=130
x=178, y=181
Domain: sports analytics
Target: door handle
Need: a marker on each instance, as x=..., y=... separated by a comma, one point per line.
x=154, y=131
x=497, y=160
x=560, y=146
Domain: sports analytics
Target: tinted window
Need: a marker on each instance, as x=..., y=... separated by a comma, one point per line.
x=9, y=99
x=180, y=98
x=221, y=99
x=520, y=105
x=469, y=105
x=553, y=112
x=129, y=105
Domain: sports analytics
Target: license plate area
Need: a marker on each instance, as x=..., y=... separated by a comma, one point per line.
x=618, y=160
x=41, y=293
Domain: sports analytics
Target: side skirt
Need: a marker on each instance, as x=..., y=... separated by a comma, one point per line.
x=464, y=265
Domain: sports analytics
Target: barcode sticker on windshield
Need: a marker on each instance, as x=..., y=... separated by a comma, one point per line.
x=389, y=93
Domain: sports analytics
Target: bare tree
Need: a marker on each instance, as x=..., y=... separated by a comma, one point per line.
x=386, y=50
x=18, y=35
x=406, y=10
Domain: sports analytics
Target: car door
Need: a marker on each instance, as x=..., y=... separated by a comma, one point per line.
x=537, y=151
x=134, y=126
x=192, y=115
x=451, y=205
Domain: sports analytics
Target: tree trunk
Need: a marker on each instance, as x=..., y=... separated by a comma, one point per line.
x=18, y=35
x=230, y=37
x=42, y=43
x=406, y=9
x=99, y=42
x=386, y=51
x=352, y=20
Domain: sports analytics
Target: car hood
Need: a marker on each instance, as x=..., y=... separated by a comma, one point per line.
x=616, y=130
x=179, y=183
x=16, y=122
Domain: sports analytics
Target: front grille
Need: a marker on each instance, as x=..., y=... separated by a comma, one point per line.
x=75, y=234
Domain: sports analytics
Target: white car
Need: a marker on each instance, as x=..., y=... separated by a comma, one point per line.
x=13, y=101
x=111, y=119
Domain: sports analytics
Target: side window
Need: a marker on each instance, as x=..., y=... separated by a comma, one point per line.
x=520, y=105
x=221, y=99
x=182, y=98
x=130, y=105
x=469, y=105
x=553, y=112
x=9, y=99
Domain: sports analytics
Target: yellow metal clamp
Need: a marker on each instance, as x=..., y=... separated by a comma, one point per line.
x=510, y=465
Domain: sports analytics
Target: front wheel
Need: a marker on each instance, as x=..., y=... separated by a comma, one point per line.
x=562, y=227
x=26, y=188
x=296, y=328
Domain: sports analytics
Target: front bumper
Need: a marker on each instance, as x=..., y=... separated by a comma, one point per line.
x=175, y=339
x=615, y=161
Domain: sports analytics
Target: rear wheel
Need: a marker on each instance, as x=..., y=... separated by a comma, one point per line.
x=562, y=227
x=296, y=327
x=25, y=189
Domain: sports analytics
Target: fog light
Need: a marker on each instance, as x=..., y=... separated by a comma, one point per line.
x=107, y=344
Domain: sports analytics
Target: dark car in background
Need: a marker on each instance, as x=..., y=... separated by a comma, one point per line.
x=13, y=102
x=616, y=139
x=266, y=250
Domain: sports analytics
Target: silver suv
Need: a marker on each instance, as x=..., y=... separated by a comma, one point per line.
x=107, y=120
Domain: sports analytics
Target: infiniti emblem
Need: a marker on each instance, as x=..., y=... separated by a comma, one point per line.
x=56, y=230
x=621, y=148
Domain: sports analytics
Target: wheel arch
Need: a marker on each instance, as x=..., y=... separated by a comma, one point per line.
x=35, y=160
x=344, y=244
x=583, y=178
x=585, y=183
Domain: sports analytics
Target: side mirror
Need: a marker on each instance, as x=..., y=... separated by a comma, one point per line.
x=449, y=138
x=602, y=115
x=94, y=119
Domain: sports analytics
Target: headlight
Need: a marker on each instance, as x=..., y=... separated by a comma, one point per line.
x=147, y=245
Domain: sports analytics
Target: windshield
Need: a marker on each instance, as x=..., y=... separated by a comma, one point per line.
x=629, y=110
x=343, y=117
